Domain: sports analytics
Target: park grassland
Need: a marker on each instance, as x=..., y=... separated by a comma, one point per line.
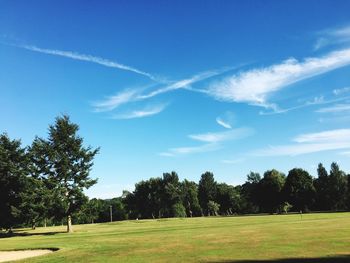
x=322, y=237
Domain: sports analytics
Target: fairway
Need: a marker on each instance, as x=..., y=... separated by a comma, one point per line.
x=322, y=237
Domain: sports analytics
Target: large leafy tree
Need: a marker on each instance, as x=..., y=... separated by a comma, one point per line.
x=249, y=197
x=338, y=187
x=33, y=207
x=298, y=190
x=172, y=199
x=13, y=172
x=269, y=191
x=190, y=198
x=206, y=190
x=228, y=198
x=37, y=198
x=321, y=183
x=68, y=166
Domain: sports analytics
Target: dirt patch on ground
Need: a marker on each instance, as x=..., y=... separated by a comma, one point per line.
x=22, y=254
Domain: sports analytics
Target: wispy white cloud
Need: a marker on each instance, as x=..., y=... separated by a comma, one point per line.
x=223, y=123
x=215, y=137
x=226, y=120
x=88, y=58
x=146, y=112
x=316, y=101
x=183, y=84
x=191, y=150
x=133, y=95
x=335, y=109
x=334, y=36
x=213, y=141
x=115, y=101
x=341, y=91
x=256, y=85
x=310, y=143
x=325, y=136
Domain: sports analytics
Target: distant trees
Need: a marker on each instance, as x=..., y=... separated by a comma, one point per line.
x=166, y=196
x=323, y=197
x=227, y=197
x=269, y=189
x=338, y=187
x=273, y=193
x=206, y=191
x=190, y=198
x=249, y=199
x=299, y=190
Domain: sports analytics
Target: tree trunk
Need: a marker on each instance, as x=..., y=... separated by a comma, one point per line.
x=69, y=224
x=45, y=222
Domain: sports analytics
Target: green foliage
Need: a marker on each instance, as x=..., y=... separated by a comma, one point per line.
x=249, y=195
x=286, y=207
x=206, y=190
x=178, y=210
x=13, y=170
x=68, y=164
x=299, y=190
x=323, y=198
x=190, y=198
x=213, y=208
x=228, y=198
x=171, y=193
x=338, y=187
x=269, y=191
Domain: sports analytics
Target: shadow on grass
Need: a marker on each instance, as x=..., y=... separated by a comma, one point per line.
x=53, y=249
x=330, y=259
x=21, y=233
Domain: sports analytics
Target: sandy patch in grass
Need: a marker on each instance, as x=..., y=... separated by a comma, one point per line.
x=21, y=254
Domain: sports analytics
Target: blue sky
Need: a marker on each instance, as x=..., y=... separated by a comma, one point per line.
x=190, y=86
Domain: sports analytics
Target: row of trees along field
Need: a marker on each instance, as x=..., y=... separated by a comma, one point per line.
x=44, y=184
x=272, y=193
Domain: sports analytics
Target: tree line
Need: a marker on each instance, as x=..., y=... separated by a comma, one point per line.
x=44, y=184
x=274, y=192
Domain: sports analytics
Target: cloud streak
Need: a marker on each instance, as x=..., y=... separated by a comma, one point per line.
x=335, y=109
x=315, y=102
x=310, y=143
x=88, y=58
x=216, y=137
x=335, y=36
x=341, y=91
x=133, y=95
x=191, y=150
x=213, y=141
x=256, y=85
x=222, y=123
x=146, y=112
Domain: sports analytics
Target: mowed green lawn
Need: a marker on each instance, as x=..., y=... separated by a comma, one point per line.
x=213, y=239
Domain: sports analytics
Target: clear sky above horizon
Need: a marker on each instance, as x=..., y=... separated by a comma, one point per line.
x=190, y=86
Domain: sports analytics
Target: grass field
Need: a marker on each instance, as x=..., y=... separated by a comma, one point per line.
x=319, y=237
